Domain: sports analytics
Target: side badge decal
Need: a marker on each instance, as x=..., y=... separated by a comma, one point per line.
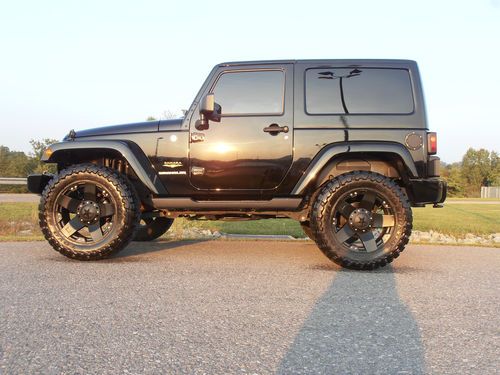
x=172, y=164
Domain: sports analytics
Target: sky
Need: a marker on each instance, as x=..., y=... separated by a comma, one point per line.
x=82, y=64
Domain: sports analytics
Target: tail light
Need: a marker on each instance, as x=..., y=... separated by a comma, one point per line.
x=432, y=145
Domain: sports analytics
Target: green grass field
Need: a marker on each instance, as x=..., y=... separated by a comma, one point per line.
x=459, y=219
x=19, y=221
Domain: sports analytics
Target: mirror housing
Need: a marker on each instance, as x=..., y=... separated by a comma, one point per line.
x=209, y=111
x=207, y=105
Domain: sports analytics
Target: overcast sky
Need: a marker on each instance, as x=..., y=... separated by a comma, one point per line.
x=80, y=64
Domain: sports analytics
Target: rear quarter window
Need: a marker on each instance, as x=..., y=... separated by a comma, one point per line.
x=358, y=91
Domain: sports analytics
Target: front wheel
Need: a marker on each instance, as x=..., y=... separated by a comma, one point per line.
x=361, y=220
x=88, y=212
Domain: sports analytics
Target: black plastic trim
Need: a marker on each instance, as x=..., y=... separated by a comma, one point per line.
x=427, y=191
x=329, y=152
x=37, y=182
x=129, y=150
x=186, y=204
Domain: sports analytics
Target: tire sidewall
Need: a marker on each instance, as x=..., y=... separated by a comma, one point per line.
x=125, y=217
x=322, y=219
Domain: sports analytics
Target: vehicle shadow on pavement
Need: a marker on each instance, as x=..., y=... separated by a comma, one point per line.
x=358, y=326
x=401, y=269
x=136, y=249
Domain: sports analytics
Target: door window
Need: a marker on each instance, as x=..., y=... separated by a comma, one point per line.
x=258, y=92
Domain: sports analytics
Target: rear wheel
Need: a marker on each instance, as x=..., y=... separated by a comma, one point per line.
x=361, y=220
x=152, y=228
x=88, y=212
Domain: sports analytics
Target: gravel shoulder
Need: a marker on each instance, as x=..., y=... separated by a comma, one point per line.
x=247, y=307
x=14, y=198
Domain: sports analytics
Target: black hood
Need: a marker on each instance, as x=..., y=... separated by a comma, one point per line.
x=138, y=127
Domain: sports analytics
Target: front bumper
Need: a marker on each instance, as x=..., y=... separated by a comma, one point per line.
x=37, y=182
x=427, y=191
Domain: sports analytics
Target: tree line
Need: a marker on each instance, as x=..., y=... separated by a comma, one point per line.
x=19, y=164
x=465, y=178
x=477, y=168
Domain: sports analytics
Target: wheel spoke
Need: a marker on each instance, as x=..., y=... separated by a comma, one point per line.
x=345, y=233
x=68, y=203
x=346, y=209
x=381, y=221
x=89, y=192
x=368, y=241
x=368, y=200
x=95, y=232
x=106, y=209
x=74, y=225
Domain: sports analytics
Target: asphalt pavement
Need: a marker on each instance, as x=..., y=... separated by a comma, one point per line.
x=247, y=307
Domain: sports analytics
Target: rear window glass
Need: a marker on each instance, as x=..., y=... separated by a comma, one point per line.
x=358, y=91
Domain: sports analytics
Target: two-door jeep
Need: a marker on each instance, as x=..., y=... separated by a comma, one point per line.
x=342, y=146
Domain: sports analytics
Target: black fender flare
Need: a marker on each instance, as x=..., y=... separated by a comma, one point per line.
x=130, y=151
x=337, y=149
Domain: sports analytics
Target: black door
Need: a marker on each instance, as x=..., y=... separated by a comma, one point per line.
x=251, y=147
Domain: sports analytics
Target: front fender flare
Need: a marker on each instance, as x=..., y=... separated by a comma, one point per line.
x=132, y=153
x=351, y=148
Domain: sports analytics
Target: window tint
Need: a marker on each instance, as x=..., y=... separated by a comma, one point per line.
x=358, y=91
x=258, y=92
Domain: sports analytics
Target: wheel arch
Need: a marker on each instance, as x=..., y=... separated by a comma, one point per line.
x=76, y=152
x=386, y=158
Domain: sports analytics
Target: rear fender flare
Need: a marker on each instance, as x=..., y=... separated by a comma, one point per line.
x=324, y=157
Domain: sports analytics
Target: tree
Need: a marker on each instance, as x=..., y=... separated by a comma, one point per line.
x=166, y=115
x=479, y=168
x=495, y=168
x=14, y=163
x=38, y=148
x=452, y=173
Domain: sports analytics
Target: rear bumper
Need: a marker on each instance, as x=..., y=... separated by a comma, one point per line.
x=37, y=182
x=427, y=191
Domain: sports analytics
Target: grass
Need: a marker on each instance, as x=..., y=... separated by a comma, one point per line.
x=473, y=199
x=459, y=219
x=19, y=221
x=16, y=189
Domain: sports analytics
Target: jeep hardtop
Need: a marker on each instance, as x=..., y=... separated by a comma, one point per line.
x=342, y=146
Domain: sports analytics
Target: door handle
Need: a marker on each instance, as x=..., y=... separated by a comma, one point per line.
x=274, y=129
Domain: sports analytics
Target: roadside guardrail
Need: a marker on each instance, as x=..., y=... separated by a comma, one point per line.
x=13, y=181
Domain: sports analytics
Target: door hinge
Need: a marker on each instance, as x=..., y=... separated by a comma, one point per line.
x=197, y=171
x=197, y=137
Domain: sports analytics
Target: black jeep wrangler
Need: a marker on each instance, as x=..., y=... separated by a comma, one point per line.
x=342, y=146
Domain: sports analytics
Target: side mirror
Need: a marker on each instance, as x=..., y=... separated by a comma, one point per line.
x=209, y=111
x=207, y=104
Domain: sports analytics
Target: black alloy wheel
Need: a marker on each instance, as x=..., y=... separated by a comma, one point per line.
x=361, y=220
x=84, y=212
x=88, y=212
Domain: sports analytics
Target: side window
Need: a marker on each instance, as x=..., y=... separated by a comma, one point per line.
x=358, y=91
x=251, y=92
